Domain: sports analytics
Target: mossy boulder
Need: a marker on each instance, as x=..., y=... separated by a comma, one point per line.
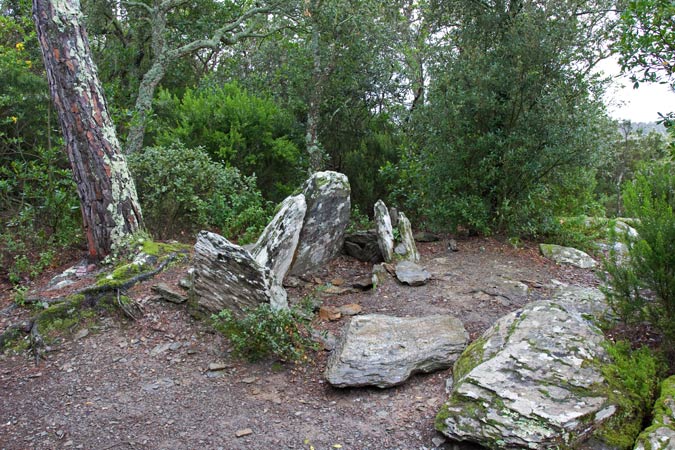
x=535, y=380
x=661, y=434
x=567, y=255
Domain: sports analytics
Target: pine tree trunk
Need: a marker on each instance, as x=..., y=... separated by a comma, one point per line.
x=107, y=192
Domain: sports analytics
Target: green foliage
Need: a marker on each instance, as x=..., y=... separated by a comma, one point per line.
x=512, y=129
x=632, y=378
x=235, y=128
x=580, y=232
x=263, y=332
x=643, y=287
x=182, y=190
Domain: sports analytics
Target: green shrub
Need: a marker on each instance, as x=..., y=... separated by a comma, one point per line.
x=236, y=128
x=632, y=379
x=263, y=332
x=182, y=190
x=643, y=287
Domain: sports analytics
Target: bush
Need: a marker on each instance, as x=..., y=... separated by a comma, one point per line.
x=183, y=190
x=263, y=332
x=644, y=286
x=236, y=128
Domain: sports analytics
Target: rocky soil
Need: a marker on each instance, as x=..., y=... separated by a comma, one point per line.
x=111, y=383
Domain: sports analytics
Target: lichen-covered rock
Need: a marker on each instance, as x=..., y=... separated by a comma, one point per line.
x=364, y=246
x=383, y=351
x=588, y=301
x=328, y=209
x=661, y=434
x=533, y=380
x=409, y=273
x=225, y=276
x=385, y=232
x=276, y=245
x=407, y=239
x=567, y=255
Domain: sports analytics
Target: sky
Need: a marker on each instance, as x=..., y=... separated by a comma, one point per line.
x=637, y=105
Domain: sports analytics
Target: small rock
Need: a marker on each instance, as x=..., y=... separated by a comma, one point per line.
x=438, y=441
x=175, y=346
x=169, y=294
x=84, y=332
x=351, y=309
x=412, y=274
x=159, y=349
x=325, y=338
x=452, y=245
x=185, y=283
x=217, y=366
x=329, y=313
x=363, y=283
x=244, y=432
x=337, y=281
x=249, y=380
x=336, y=290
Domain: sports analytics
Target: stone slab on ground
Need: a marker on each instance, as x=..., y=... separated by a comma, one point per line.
x=533, y=380
x=383, y=351
x=412, y=274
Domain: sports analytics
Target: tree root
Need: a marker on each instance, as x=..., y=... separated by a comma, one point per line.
x=86, y=297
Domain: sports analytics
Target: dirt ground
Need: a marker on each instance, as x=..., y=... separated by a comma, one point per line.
x=119, y=384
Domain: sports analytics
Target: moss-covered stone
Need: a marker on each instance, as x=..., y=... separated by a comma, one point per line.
x=660, y=435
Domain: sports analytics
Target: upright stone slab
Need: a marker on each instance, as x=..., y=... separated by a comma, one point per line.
x=410, y=252
x=225, y=276
x=327, y=217
x=534, y=380
x=383, y=351
x=385, y=233
x=276, y=246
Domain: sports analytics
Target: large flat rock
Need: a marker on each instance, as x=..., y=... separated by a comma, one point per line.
x=383, y=351
x=533, y=380
x=328, y=208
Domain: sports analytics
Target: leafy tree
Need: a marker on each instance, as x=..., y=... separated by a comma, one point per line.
x=511, y=131
x=647, y=44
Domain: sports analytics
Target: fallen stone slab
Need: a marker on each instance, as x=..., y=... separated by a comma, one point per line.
x=412, y=274
x=567, y=255
x=534, y=380
x=384, y=351
x=225, y=276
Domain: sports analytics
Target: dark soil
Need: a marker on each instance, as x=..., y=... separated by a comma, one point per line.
x=118, y=387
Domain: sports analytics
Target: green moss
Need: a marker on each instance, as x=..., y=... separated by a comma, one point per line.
x=661, y=414
x=630, y=384
x=159, y=249
x=442, y=415
x=470, y=358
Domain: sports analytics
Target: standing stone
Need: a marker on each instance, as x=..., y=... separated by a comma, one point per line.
x=277, y=243
x=225, y=276
x=410, y=252
x=385, y=233
x=383, y=351
x=535, y=380
x=328, y=208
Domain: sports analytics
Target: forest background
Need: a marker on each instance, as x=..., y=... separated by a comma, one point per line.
x=481, y=116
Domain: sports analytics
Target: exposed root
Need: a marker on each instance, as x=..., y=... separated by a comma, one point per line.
x=86, y=297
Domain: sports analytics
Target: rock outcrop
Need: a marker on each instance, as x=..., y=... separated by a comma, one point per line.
x=567, y=255
x=384, y=351
x=385, y=232
x=225, y=276
x=363, y=245
x=661, y=433
x=327, y=217
x=276, y=245
x=533, y=380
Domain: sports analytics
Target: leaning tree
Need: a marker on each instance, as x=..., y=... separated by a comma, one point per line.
x=109, y=204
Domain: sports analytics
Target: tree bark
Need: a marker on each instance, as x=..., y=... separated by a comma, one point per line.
x=109, y=204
